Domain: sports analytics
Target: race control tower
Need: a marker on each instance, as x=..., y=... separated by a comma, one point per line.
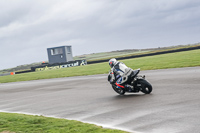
x=60, y=54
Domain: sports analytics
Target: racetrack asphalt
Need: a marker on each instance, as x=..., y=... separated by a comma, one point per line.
x=172, y=107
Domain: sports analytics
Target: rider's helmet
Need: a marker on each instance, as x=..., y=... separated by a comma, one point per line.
x=112, y=62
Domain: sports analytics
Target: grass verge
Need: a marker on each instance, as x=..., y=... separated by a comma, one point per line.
x=20, y=123
x=171, y=60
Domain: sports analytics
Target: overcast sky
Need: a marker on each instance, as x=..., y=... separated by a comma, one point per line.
x=29, y=27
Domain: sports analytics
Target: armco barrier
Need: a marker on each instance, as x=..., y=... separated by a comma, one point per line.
x=149, y=54
x=4, y=74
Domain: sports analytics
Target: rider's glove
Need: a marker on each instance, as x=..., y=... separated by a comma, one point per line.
x=112, y=81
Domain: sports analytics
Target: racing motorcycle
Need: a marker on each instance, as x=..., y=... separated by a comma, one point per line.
x=137, y=83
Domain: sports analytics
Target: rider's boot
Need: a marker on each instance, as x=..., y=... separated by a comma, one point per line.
x=129, y=87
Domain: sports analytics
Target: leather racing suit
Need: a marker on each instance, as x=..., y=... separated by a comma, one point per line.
x=120, y=75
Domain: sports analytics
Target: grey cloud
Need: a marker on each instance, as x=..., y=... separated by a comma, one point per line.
x=93, y=26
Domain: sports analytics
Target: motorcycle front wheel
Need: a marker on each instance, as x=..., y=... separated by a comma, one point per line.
x=145, y=86
x=118, y=90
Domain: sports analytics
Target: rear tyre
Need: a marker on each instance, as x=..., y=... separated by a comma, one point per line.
x=118, y=90
x=145, y=86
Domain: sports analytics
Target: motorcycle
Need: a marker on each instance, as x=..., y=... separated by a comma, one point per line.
x=137, y=83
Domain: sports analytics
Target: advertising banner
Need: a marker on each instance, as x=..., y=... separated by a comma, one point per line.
x=59, y=66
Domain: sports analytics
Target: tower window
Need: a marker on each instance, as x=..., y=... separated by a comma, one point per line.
x=56, y=51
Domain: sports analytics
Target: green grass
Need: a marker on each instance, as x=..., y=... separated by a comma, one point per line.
x=20, y=123
x=106, y=55
x=165, y=61
x=172, y=60
x=125, y=53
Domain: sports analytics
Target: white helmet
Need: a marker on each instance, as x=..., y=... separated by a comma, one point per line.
x=112, y=62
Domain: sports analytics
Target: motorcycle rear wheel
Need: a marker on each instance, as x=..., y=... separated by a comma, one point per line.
x=146, y=86
x=118, y=90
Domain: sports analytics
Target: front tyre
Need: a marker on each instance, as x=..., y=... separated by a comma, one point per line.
x=145, y=86
x=118, y=90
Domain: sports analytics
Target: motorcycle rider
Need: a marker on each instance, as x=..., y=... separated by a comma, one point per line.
x=120, y=74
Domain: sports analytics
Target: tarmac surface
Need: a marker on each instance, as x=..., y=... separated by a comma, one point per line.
x=172, y=107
